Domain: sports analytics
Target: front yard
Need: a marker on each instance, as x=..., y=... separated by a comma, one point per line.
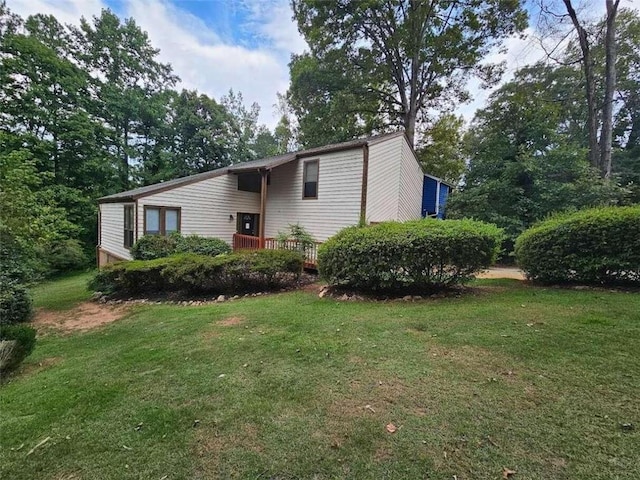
x=541, y=381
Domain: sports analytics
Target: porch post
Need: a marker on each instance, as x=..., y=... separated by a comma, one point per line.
x=263, y=207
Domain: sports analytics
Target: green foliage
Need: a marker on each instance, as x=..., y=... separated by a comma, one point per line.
x=65, y=256
x=418, y=256
x=201, y=245
x=389, y=63
x=525, y=156
x=296, y=238
x=16, y=343
x=228, y=274
x=136, y=276
x=15, y=302
x=596, y=246
x=149, y=247
x=440, y=151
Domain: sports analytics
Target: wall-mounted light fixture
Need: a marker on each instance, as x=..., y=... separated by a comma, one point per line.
x=230, y=217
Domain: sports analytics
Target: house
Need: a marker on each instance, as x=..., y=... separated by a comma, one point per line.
x=323, y=189
x=435, y=193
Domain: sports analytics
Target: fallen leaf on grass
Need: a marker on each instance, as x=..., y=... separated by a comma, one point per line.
x=391, y=428
x=506, y=472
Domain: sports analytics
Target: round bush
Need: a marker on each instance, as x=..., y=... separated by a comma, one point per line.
x=15, y=302
x=150, y=247
x=16, y=343
x=202, y=245
x=420, y=255
x=596, y=246
x=65, y=256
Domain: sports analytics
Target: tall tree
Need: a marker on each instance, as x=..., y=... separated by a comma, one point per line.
x=440, y=150
x=413, y=55
x=600, y=104
x=126, y=72
x=523, y=161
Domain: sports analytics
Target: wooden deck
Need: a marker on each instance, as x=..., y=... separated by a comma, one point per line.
x=249, y=242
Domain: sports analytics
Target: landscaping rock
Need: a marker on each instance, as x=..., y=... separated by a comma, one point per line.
x=221, y=298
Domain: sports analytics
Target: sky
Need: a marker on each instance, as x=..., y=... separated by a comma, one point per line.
x=244, y=45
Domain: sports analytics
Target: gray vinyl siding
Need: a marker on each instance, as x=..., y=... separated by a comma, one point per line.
x=411, y=179
x=112, y=229
x=339, y=194
x=206, y=206
x=383, y=185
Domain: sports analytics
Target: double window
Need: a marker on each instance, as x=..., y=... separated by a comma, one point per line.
x=128, y=226
x=161, y=220
x=310, y=179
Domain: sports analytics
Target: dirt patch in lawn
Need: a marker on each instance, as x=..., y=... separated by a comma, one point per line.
x=85, y=316
x=231, y=321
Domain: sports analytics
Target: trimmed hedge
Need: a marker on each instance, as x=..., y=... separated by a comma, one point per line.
x=224, y=274
x=16, y=343
x=150, y=247
x=15, y=302
x=419, y=255
x=202, y=245
x=596, y=246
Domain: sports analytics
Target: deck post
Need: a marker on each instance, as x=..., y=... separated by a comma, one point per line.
x=263, y=207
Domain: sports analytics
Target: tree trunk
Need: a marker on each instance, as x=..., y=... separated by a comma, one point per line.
x=125, y=156
x=606, y=136
x=590, y=87
x=410, y=125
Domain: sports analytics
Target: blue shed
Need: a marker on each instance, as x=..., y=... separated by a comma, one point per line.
x=435, y=193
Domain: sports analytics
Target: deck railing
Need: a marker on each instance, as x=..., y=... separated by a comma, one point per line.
x=249, y=242
x=245, y=242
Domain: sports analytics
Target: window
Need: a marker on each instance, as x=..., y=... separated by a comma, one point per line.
x=310, y=179
x=161, y=220
x=251, y=182
x=128, y=226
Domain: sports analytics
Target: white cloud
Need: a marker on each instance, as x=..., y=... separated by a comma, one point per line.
x=66, y=11
x=273, y=20
x=205, y=63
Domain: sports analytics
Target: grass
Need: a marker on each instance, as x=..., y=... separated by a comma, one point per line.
x=62, y=293
x=538, y=380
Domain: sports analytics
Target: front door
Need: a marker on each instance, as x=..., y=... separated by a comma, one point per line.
x=248, y=223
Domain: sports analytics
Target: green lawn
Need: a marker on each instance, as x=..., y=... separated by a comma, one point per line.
x=537, y=380
x=62, y=293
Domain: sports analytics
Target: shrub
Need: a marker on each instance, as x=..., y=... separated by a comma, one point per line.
x=296, y=237
x=16, y=343
x=202, y=245
x=65, y=256
x=136, y=276
x=150, y=247
x=595, y=246
x=225, y=274
x=15, y=302
x=417, y=255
